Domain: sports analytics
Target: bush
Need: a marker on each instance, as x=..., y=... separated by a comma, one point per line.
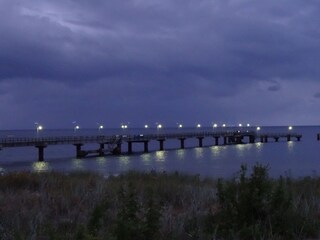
x=150, y=206
x=256, y=207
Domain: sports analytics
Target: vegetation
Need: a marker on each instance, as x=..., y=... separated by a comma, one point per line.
x=158, y=206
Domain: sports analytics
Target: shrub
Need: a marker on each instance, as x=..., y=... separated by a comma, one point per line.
x=151, y=206
x=256, y=207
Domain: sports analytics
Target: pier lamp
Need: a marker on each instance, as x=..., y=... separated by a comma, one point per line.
x=75, y=126
x=258, y=128
x=39, y=128
x=290, y=128
x=180, y=126
x=215, y=125
x=248, y=125
x=240, y=125
x=124, y=126
x=100, y=127
x=159, y=126
x=146, y=126
x=224, y=125
x=198, y=125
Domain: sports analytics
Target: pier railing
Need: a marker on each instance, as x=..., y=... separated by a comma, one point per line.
x=114, y=142
x=34, y=141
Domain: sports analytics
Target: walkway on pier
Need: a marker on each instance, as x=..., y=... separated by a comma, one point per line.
x=114, y=142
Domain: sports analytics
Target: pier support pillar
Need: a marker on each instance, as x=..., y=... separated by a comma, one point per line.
x=225, y=140
x=288, y=138
x=252, y=139
x=146, y=148
x=261, y=139
x=78, y=150
x=232, y=140
x=216, y=141
x=200, y=141
x=117, y=149
x=298, y=138
x=318, y=136
x=182, y=142
x=129, y=147
x=266, y=139
x=238, y=139
x=41, y=152
x=276, y=139
x=101, y=150
x=161, y=141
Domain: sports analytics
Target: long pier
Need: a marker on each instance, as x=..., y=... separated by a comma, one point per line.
x=113, y=144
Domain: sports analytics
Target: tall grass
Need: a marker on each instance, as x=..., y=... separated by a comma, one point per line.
x=158, y=206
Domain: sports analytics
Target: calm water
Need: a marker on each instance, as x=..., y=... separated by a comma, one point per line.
x=296, y=159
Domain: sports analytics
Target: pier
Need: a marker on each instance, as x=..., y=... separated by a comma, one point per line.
x=113, y=144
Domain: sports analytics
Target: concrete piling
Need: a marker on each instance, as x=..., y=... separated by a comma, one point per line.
x=161, y=141
x=41, y=152
x=182, y=142
x=200, y=141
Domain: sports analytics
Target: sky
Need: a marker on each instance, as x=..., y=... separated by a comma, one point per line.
x=159, y=61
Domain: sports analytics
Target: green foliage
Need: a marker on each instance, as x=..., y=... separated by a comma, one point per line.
x=97, y=220
x=23, y=180
x=255, y=207
x=150, y=206
x=151, y=224
x=128, y=221
x=137, y=220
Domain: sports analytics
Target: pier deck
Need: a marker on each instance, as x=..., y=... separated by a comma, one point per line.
x=114, y=142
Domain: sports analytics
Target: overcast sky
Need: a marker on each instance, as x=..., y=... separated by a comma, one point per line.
x=166, y=61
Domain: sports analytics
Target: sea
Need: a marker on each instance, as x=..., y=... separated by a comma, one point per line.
x=295, y=159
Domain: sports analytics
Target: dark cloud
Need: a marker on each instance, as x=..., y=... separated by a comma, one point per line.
x=317, y=95
x=274, y=88
x=149, y=61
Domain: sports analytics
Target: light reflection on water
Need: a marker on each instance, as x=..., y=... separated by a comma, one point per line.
x=241, y=149
x=40, y=166
x=124, y=161
x=78, y=164
x=199, y=153
x=215, y=151
x=298, y=158
x=161, y=160
x=180, y=153
x=101, y=161
x=146, y=158
x=161, y=156
x=258, y=146
x=291, y=146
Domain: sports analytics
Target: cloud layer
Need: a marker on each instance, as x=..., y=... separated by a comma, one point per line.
x=146, y=61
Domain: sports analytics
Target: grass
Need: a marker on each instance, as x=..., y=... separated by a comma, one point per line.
x=158, y=206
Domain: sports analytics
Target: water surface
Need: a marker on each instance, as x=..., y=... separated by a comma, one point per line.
x=296, y=159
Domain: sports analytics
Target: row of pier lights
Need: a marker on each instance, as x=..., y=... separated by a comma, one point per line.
x=235, y=138
x=39, y=127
